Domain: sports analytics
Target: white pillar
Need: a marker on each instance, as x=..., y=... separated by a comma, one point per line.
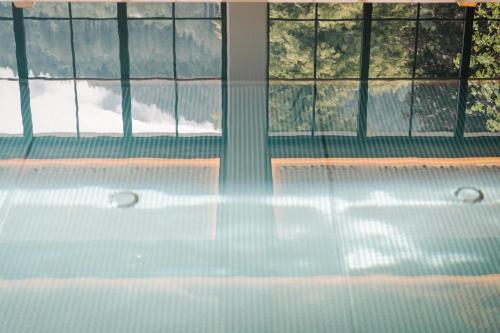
x=247, y=156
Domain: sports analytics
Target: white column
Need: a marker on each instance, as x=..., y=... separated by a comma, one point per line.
x=247, y=156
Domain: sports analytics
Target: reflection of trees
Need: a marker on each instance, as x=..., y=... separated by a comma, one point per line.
x=392, y=52
x=484, y=96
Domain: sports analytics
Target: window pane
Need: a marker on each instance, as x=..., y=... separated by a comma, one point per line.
x=153, y=104
x=485, y=58
x=290, y=108
x=100, y=108
x=291, y=49
x=197, y=10
x=392, y=48
x=291, y=10
x=5, y=9
x=10, y=109
x=389, y=108
x=198, y=48
x=96, y=49
x=339, y=48
x=150, y=48
x=435, y=107
x=398, y=10
x=483, y=108
x=199, y=108
x=95, y=10
x=53, y=110
x=48, y=48
x=337, y=107
x=441, y=10
x=340, y=11
x=149, y=10
x=44, y=9
x=8, y=62
x=439, y=49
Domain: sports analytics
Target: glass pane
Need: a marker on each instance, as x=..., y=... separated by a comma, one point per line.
x=340, y=11
x=291, y=10
x=47, y=9
x=483, y=108
x=392, y=49
x=394, y=10
x=48, y=48
x=439, y=49
x=53, y=110
x=96, y=49
x=153, y=107
x=5, y=9
x=489, y=10
x=435, y=107
x=388, y=108
x=149, y=10
x=94, y=10
x=441, y=10
x=337, y=107
x=100, y=108
x=8, y=62
x=10, y=109
x=200, y=108
x=150, y=48
x=485, y=57
x=290, y=108
x=339, y=49
x=197, y=10
x=291, y=49
x=198, y=48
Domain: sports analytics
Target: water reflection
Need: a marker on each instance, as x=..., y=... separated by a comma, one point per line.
x=352, y=234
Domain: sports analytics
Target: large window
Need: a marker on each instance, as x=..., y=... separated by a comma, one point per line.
x=382, y=70
x=112, y=69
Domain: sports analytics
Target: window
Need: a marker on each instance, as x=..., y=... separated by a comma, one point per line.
x=483, y=99
x=412, y=86
x=414, y=67
x=315, y=90
x=112, y=69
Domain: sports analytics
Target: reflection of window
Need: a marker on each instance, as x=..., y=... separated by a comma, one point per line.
x=413, y=65
x=175, y=51
x=483, y=100
x=82, y=75
x=314, y=57
x=414, y=62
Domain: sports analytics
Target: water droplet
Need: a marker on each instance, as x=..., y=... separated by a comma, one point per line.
x=469, y=195
x=124, y=199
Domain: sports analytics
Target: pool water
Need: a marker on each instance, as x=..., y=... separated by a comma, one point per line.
x=153, y=181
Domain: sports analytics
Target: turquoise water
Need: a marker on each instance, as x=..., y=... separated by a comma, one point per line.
x=141, y=190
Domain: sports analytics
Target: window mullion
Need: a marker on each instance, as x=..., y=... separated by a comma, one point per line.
x=125, y=70
x=464, y=73
x=176, y=87
x=315, y=66
x=413, y=72
x=365, y=69
x=22, y=69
